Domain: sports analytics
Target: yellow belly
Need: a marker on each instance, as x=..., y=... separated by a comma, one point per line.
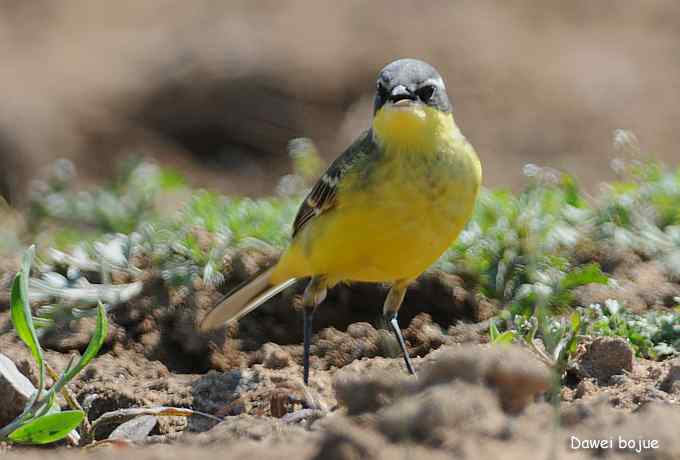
x=393, y=228
x=397, y=214
x=387, y=244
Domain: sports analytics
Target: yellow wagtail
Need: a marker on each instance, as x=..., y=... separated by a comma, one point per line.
x=384, y=211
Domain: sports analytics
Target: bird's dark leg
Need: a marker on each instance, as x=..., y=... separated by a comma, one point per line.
x=390, y=310
x=313, y=296
x=309, y=314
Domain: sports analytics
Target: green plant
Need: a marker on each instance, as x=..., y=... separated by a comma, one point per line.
x=534, y=313
x=519, y=248
x=513, y=241
x=552, y=340
x=42, y=420
x=117, y=206
x=640, y=212
x=653, y=334
x=500, y=338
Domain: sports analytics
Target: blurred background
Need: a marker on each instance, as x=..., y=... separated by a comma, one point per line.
x=216, y=89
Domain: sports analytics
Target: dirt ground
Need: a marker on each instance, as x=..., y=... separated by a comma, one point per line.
x=470, y=400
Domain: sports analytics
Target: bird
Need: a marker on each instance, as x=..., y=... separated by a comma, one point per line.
x=383, y=212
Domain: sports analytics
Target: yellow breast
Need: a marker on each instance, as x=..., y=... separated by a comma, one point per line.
x=397, y=216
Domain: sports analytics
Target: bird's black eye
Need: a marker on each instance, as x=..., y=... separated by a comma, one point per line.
x=382, y=90
x=426, y=92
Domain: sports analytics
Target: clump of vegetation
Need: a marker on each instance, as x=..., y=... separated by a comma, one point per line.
x=653, y=335
x=552, y=339
x=42, y=420
x=116, y=207
x=518, y=248
x=128, y=231
x=518, y=240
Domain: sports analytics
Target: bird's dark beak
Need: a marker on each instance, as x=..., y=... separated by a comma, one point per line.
x=400, y=96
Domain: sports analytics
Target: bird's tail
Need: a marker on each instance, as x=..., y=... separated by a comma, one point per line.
x=243, y=300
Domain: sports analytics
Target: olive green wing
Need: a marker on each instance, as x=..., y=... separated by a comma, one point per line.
x=323, y=195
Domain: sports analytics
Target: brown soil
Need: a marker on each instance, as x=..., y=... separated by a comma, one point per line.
x=471, y=400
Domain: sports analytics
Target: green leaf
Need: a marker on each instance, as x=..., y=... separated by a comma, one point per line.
x=572, y=344
x=506, y=338
x=48, y=428
x=21, y=310
x=496, y=337
x=580, y=276
x=559, y=354
x=493, y=331
x=567, y=344
x=575, y=322
x=93, y=347
x=572, y=194
x=22, y=319
x=39, y=322
x=170, y=179
x=531, y=334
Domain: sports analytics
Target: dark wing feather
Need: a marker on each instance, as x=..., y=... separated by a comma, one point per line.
x=322, y=197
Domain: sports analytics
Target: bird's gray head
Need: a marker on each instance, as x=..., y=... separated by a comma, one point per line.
x=408, y=81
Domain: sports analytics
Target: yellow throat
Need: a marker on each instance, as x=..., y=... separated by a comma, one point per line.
x=414, y=128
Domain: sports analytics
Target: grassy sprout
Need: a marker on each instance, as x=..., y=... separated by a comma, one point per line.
x=42, y=420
